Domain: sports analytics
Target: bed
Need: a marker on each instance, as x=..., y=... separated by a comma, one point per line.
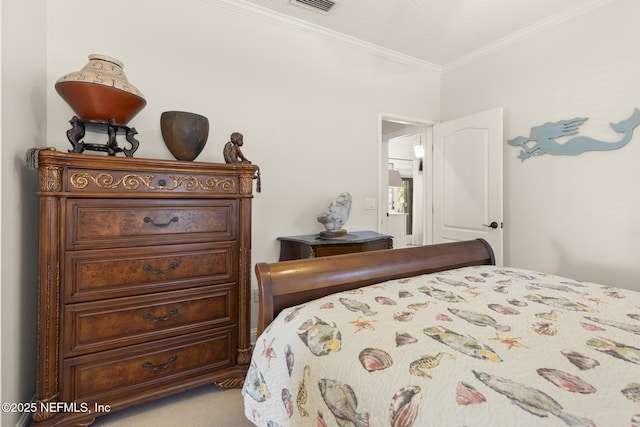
x=439, y=336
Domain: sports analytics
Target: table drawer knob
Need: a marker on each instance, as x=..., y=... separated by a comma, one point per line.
x=160, y=367
x=172, y=266
x=150, y=221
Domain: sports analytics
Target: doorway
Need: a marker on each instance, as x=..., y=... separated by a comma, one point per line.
x=460, y=184
x=402, y=194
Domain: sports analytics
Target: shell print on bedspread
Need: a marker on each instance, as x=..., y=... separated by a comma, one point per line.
x=544, y=328
x=479, y=319
x=255, y=385
x=530, y=399
x=320, y=337
x=440, y=294
x=287, y=401
x=616, y=349
x=342, y=402
x=293, y=313
x=403, y=338
x=517, y=303
x=403, y=316
x=404, y=294
x=320, y=420
x=613, y=292
x=375, y=359
x=354, y=305
x=564, y=303
x=566, y=381
x=385, y=301
x=581, y=361
x=632, y=391
x=404, y=406
x=289, y=358
x=466, y=394
x=462, y=343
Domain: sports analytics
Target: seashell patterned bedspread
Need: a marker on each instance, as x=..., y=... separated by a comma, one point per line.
x=476, y=346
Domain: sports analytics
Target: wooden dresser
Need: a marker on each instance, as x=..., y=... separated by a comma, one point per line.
x=144, y=281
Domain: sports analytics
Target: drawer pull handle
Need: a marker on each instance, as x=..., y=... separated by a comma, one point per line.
x=160, y=319
x=172, y=266
x=150, y=221
x=159, y=367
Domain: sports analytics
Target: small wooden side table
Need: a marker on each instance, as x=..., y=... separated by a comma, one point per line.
x=311, y=245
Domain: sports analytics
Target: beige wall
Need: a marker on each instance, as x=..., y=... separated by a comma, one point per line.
x=23, y=125
x=574, y=216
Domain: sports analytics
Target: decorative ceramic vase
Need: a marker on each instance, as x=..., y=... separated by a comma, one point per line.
x=101, y=91
x=185, y=134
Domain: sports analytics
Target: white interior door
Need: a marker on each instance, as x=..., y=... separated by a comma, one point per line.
x=467, y=180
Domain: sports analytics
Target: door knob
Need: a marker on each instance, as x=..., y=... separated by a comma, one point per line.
x=492, y=225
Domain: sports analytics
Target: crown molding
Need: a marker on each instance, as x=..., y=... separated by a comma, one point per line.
x=268, y=15
x=525, y=33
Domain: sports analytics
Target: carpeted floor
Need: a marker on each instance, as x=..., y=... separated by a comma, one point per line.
x=207, y=406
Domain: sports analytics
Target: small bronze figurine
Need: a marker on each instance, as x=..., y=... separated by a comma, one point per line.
x=232, y=152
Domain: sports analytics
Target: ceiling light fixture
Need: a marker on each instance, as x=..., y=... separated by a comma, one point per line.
x=419, y=152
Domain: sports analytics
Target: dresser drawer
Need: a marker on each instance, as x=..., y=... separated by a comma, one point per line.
x=102, y=377
x=102, y=325
x=109, y=273
x=110, y=223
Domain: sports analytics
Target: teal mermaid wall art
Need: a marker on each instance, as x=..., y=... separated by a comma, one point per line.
x=543, y=138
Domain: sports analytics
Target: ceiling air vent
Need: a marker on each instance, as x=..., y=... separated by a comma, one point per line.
x=318, y=5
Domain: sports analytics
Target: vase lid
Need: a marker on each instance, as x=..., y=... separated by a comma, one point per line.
x=106, y=58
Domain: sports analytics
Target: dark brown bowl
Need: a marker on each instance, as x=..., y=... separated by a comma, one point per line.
x=185, y=134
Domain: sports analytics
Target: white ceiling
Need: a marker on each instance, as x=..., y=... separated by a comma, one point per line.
x=440, y=32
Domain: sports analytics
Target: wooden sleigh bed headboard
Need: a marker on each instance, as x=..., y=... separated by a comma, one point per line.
x=288, y=283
